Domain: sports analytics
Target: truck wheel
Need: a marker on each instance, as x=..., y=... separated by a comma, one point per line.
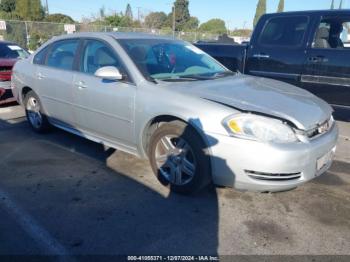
x=34, y=112
x=179, y=158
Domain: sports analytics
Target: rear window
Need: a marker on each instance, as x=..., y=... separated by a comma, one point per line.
x=284, y=31
x=12, y=51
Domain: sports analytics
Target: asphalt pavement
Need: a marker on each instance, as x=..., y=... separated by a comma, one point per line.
x=62, y=194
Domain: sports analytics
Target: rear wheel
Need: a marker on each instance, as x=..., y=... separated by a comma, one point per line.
x=179, y=158
x=34, y=112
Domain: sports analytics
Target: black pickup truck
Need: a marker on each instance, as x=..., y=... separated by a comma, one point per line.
x=309, y=49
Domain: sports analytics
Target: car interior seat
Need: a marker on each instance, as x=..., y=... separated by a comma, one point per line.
x=321, y=39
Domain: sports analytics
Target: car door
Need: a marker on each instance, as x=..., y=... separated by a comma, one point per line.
x=327, y=70
x=103, y=108
x=278, y=51
x=54, y=81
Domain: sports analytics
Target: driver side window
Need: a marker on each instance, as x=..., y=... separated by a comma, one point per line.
x=96, y=55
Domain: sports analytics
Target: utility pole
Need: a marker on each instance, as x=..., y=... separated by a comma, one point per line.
x=47, y=7
x=174, y=20
x=138, y=13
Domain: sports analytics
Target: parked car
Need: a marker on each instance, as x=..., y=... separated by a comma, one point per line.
x=168, y=101
x=309, y=49
x=9, y=54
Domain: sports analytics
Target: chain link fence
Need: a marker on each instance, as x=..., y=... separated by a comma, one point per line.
x=33, y=34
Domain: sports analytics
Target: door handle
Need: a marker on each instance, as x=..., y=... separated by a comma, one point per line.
x=40, y=76
x=261, y=56
x=81, y=84
x=318, y=59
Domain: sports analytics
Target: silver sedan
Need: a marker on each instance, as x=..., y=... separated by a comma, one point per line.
x=168, y=101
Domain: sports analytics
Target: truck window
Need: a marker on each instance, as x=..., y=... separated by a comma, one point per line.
x=332, y=33
x=284, y=31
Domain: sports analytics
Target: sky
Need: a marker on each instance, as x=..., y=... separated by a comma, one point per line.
x=236, y=13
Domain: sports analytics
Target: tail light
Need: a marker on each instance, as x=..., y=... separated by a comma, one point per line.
x=5, y=73
x=2, y=92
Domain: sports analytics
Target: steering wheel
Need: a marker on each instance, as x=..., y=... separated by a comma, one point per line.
x=167, y=60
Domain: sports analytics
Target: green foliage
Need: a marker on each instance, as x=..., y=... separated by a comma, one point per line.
x=59, y=18
x=118, y=21
x=31, y=10
x=182, y=14
x=8, y=6
x=128, y=12
x=9, y=16
x=16, y=32
x=192, y=24
x=156, y=20
x=242, y=32
x=280, y=8
x=216, y=26
x=260, y=10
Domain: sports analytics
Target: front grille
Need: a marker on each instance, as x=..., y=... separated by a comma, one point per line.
x=5, y=68
x=273, y=177
x=7, y=95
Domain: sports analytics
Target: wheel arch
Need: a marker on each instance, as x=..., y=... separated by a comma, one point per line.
x=25, y=90
x=153, y=123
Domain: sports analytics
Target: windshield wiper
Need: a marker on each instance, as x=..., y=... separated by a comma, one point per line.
x=181, y=79
x=223, y=74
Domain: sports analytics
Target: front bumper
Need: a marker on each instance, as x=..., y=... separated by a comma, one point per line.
x=6, y=95
x=237, y=162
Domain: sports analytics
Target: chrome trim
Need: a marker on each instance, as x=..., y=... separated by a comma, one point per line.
x=276, y=74
x=326, y=80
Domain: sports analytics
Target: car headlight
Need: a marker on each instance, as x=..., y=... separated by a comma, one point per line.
x=259, y=128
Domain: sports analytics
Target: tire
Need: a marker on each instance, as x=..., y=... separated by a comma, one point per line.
x=35, y=113
x=179, y=158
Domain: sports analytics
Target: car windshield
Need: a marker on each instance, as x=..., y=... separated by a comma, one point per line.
x=12, y=51
x=172, y=60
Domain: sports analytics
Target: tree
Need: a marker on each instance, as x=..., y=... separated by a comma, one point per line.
x=341, y=4
x=216, y=26
x=59, y=18
x=192, y=24
x=260, y=10
x=30, y=10
x=182, y=14
x=102, y=12
x=332, y=4
x=280, y=6
x=156, y=20
x=128, y=12
x=8, y=6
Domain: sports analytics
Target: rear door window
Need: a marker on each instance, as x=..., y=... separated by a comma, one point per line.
x=62, y=54
x=333, y=33
x=284, y=31
x=39, y=58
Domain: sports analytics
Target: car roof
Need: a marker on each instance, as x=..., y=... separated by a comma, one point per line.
x=314, y=12
x=116, y=35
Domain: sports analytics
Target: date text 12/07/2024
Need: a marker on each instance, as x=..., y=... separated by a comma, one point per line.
x=173, y=258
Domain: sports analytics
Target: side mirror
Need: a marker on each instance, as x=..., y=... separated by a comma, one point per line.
x=109, y=73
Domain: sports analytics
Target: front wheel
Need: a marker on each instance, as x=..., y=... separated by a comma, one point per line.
x=34, y=112
x=179, y=158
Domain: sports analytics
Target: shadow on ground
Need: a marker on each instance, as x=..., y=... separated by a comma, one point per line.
x=80, y=193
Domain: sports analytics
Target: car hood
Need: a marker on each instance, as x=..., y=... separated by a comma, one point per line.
x=262, y=95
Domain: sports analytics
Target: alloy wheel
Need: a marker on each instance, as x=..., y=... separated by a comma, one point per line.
x=175, y=160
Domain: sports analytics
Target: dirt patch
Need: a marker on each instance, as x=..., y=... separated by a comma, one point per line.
x=267, y=232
